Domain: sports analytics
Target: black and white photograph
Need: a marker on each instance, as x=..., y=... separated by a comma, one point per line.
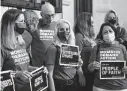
x=63, y=45
x=69, y=55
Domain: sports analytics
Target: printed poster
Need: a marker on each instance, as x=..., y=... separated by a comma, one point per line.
x=112, y=69
x=69, y=55
x=7, y=82
x=39, y=81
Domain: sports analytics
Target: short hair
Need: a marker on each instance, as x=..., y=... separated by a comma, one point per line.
x=100, y=35
x=30, y=14
x=83, y=24
x=8, y=38
x=47, y=6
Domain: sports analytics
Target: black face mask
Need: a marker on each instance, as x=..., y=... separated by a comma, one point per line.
x=20, y=27
x=61, y=35
x=112, y=21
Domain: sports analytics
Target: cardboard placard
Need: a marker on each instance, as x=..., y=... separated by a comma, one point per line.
x=39, y=81
x=112, y=69
x=7, y=82
x=69, y=55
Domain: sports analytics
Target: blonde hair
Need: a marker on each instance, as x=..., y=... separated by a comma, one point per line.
x=71, y=39
x=107, y=15
x=8, y=38
x=29, y=15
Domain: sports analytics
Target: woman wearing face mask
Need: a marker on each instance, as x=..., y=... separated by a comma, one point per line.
x=13, y=49
x=112, y=18
x=108, y=36
x=61, y=78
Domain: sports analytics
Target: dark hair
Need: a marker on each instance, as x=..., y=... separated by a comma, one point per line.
x=7, y=27
x=111, y=11
x=100, y=36
x=10, y=16
x=83, y=24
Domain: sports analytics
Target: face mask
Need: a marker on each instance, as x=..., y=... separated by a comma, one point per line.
x=109, y=38
x=63, y=35
x=112, y=21
x=20, y=27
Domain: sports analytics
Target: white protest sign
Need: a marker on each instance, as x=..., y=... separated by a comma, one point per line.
x=39, y=81
x=7, y=82
x=69, y=55
x=112, y=69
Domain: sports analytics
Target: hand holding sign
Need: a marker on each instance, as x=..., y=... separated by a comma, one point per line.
x=112, y=69
x=39, y=80
x=69, y=55
x=124, y=70
x=7, y=82
x=80, y=63
x=96, y=65
x=23, y=75
x=45, y=70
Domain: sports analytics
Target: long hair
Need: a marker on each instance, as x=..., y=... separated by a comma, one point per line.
x=107, y=15
x=8, y=38
x=83, y=25
x=71, y=39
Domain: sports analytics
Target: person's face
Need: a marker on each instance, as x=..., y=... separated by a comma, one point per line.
x=48, y=16
x=63, y=31
x=20, y=24
x=108, y=34
x=33, y=23
x=20, y=19
x=111, y=16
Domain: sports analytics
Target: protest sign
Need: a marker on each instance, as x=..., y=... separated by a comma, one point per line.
x=47, y=35
x=112, y=69
x=69, y=55
x=39, y=81
x=7, y=82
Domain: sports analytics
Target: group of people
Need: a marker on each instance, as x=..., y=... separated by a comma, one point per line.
x=23, y=33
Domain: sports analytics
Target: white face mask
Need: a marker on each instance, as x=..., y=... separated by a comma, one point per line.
x=109, y=38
